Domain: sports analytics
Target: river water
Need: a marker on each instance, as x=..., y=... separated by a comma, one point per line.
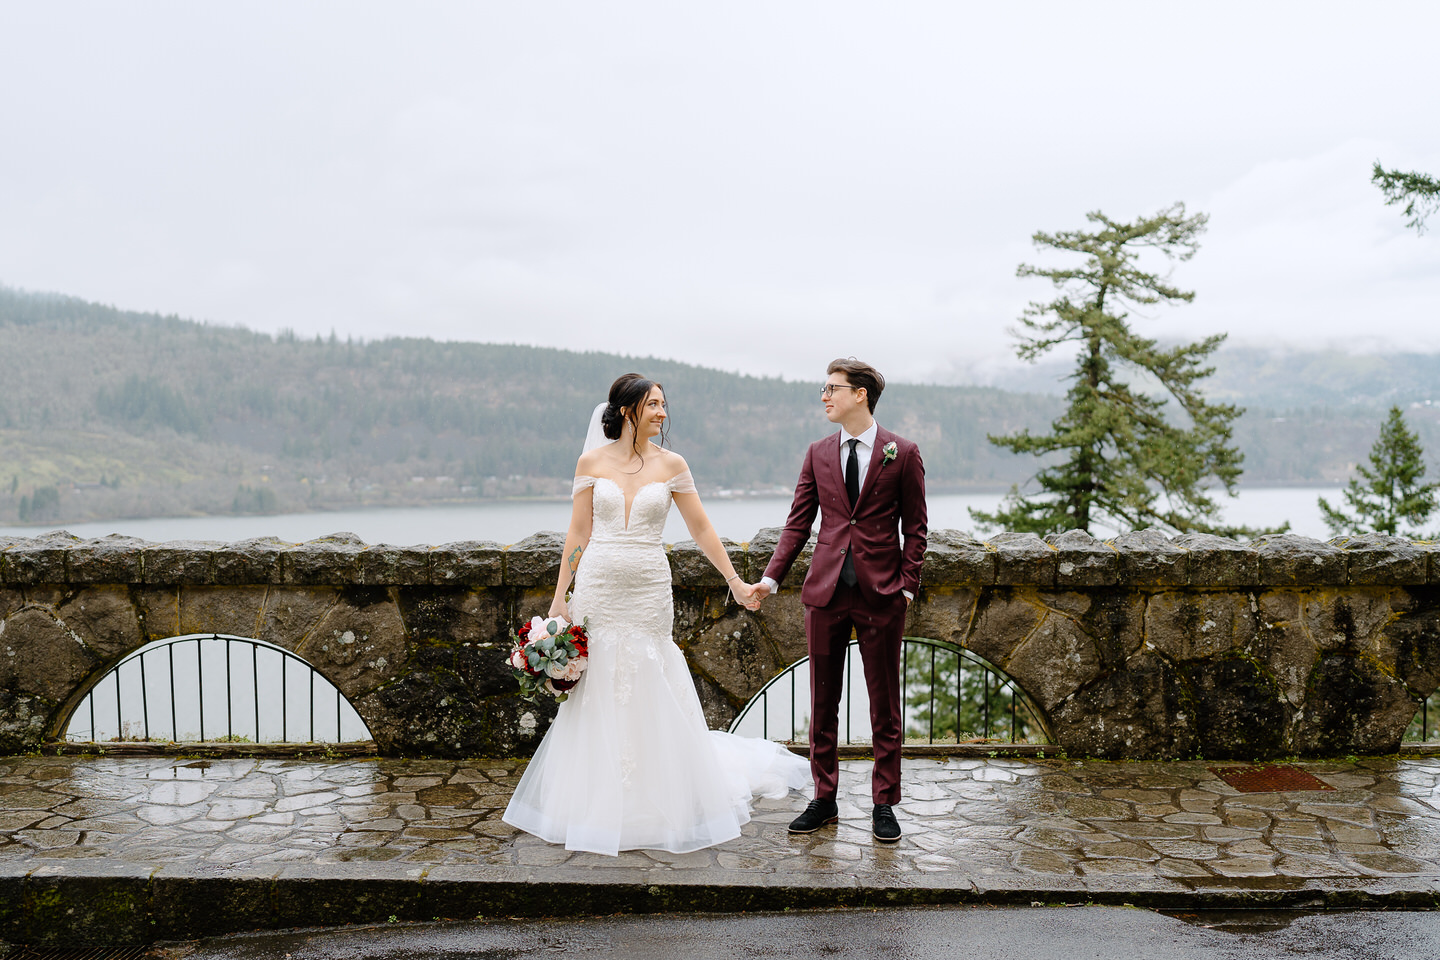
x=509, y=521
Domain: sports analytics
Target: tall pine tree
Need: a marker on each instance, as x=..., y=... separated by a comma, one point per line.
x=1393, y=491
x=1122, y=462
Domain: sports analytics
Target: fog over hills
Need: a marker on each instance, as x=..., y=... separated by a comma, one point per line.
x=108, y=413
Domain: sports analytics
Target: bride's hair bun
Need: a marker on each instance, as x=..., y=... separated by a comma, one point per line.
x=626, y=395
x=612, y=420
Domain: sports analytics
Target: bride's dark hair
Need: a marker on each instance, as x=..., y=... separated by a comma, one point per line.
x=626, y=395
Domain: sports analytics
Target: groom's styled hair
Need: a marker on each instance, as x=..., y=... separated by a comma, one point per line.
x=860, y=374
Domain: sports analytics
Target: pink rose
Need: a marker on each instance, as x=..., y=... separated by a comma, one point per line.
x=573, y=669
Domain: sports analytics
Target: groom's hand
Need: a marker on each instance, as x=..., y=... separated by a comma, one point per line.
x=762, y=590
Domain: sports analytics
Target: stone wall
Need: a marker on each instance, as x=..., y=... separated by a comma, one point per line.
x=1140, y=647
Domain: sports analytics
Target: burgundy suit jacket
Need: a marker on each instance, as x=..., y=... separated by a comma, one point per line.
x=892, y=502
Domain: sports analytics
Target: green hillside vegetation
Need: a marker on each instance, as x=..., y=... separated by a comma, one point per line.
x=131, y=414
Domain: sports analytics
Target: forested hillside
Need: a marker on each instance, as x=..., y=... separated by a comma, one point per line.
x=136, y=414
x=107, y=413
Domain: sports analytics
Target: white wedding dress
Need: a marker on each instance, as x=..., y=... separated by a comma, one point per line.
x=629, y=763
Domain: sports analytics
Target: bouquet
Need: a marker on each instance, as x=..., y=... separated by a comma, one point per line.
x=549, y=654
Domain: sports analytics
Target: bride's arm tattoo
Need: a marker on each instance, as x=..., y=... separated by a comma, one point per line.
x=575, y=555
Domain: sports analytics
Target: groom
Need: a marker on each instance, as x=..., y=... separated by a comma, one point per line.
x=869, y=487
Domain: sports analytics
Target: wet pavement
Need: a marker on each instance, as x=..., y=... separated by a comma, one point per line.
x=231, y=844
x=921, y=933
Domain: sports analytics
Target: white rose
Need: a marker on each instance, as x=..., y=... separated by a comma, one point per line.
x=555, y=669
x=573, y=669
x=539, y=626
x=517, y=658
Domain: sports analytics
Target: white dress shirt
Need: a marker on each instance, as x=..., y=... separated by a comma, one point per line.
x=863, y=449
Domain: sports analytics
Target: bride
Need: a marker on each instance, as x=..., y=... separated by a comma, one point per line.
x=629, y=763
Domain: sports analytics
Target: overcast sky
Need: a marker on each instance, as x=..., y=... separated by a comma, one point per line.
x=755, y=186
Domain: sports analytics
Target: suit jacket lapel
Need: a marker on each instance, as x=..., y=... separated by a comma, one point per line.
x=882, y=437
x=834, y=479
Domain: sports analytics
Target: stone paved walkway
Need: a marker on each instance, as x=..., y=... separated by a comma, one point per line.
x=993, y=830
x=979, y=817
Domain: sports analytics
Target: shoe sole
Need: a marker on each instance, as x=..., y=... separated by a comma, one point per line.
x=881, y=839
x=834, y=819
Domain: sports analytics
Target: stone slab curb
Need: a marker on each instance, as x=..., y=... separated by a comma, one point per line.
x=120, y=905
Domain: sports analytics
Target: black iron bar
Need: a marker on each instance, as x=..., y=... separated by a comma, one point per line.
x=904, y=686
x=959, y=691
x=985, y=683
x=1012, y=713
x=932, y=694
x=255, y=683
x=791, y=737
x=847, y=694
x=229, y=706
x=144, y=699
x=200, y=686
x=174, y=723
x=93, y=735
x=284, y=699
x=119, y=722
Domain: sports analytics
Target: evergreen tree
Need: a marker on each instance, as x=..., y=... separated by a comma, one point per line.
x=1418, y=191
x=1393, y=491
x=1122, y=462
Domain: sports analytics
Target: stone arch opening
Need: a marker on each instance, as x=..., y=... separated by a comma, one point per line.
x=951, y=695
x=212, y=687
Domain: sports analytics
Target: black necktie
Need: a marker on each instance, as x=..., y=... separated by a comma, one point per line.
x=852, y=488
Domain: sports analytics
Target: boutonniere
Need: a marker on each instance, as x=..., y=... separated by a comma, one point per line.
x=889, y=451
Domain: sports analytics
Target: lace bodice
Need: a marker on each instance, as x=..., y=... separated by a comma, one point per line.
x=647, y=511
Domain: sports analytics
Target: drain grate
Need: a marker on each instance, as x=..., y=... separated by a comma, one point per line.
x=1269, y=779
x=80, y=953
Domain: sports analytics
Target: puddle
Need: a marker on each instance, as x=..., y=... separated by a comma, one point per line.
x=1239, y=921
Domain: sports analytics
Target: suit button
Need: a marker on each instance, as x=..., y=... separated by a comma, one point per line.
x=842, y=551
x=852, y=523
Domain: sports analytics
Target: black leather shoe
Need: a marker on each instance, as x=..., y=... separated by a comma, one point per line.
x=887, y=828
x=816, y=815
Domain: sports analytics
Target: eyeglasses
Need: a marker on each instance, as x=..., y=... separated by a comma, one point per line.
x=830, y=388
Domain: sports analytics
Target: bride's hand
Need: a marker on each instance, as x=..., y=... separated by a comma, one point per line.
x=559, y=608
x=744, y=594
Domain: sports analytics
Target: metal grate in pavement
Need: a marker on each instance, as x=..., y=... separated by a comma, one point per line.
x=1271, y=778
x=24, y=952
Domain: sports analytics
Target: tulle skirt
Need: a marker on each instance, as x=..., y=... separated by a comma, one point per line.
x=629, y=762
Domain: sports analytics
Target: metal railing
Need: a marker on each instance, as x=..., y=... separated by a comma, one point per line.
x=267, y=693
x=1422, y=729
x=950, y=695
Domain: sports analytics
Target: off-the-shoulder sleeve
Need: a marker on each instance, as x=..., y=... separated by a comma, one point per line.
x=580, y=484
x=682, y=482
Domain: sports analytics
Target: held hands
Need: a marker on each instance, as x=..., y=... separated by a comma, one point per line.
x=746, y=594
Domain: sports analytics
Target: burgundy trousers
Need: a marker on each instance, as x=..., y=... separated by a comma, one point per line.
x=879, y=630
